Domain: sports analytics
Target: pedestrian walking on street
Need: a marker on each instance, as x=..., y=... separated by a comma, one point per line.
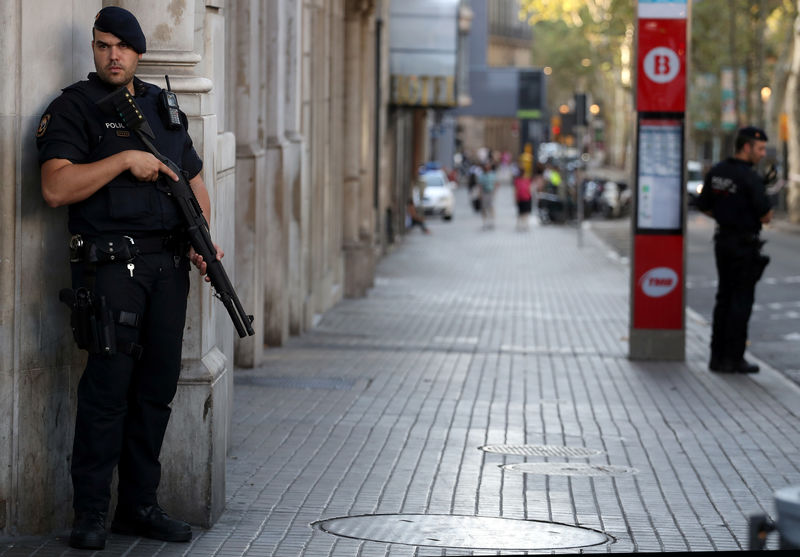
x=130, y=262
x=526, y=161
x=474, y=187
x=734, y=195
x=487, y=181
x=522, y=192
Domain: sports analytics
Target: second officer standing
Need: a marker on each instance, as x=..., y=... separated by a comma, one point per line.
x=735, y=196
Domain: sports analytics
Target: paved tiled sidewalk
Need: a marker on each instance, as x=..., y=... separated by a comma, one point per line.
x=471, y=338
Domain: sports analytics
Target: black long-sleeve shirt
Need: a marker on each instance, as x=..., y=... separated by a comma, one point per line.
x=735, y=194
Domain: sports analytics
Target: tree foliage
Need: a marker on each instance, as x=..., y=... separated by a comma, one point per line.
x=581, y=40
x=588, y=44
x=754, y=36
x=577, y=13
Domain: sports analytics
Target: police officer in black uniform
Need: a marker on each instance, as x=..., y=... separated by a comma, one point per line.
x=130, y=272
x=735, y=196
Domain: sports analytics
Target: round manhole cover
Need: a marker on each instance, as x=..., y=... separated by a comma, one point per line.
x=569, y=469
x=463, y=532
x=541, y=450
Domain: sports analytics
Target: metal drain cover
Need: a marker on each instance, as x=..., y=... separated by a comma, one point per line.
x=569, y=469
x=463, y=532
x=541, y=450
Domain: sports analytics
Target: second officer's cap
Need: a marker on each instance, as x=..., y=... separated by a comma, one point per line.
x=753, y=133
x=122, y=24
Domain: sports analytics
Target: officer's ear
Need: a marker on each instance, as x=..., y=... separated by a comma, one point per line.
x=140, y=55
x=747, y=148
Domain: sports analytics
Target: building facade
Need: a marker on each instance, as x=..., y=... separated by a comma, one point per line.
x=499, y=49
x=306, y=168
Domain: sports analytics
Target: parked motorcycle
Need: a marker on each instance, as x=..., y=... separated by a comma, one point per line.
x=592, y=194
x=615, y=200
x=551, y=208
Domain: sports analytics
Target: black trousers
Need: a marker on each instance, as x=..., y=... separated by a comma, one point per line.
x=123, y=403
x=737, y=261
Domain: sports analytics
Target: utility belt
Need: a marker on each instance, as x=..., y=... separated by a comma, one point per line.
x=740, y=235
x=750, y=242
x=116, y=248
x=93, y=323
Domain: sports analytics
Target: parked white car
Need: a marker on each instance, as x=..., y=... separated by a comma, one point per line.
x=438, y=197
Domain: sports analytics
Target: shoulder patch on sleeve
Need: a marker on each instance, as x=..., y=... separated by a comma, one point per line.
x=43, y=125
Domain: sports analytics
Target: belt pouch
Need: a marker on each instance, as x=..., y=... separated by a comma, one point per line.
x=110, y=249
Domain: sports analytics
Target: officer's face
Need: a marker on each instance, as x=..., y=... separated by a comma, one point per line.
x=114, y=60
x=757, y=151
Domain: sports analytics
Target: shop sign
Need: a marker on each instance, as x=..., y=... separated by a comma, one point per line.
x=423, y=52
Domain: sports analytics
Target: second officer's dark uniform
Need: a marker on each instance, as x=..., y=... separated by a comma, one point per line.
x=129, y=253
x=734, y=195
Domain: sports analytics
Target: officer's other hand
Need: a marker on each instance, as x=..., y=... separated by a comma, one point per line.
x=771, y=175
x=146, y=167
x=197, y=259
x=768, y=217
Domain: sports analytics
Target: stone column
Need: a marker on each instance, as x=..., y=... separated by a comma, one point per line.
x=337, y=129
x=386, y=216
x=305, y=202
x=276, y=298
x=248, y=90
x=193, y=475
x=367, y=216
x=336, y=80
x=323, y=140
x=357, y=213
x=9, y=58
x=297, y=183
x=39, y=364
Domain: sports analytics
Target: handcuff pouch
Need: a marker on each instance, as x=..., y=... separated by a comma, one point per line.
x=111, y=249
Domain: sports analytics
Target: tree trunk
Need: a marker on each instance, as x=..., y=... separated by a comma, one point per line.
x=793, y=113
x=734, y=62
x=779, y=84
x=758, y=55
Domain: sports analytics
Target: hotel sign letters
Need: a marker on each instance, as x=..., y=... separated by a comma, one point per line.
x=424, y=90
x=423, y=52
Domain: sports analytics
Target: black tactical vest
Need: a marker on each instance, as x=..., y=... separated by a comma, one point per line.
x=125, y=205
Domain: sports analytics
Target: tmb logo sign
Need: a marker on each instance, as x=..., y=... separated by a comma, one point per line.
x=658, y=274
x=658, y=282
x=661, y=84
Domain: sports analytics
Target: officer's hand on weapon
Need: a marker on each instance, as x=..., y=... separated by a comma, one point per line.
x=146, y=167
x=197, y=259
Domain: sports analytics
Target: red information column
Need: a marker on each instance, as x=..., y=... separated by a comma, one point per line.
x=657, y=324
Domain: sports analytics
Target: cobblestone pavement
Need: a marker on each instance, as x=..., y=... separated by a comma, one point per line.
x=476, y=337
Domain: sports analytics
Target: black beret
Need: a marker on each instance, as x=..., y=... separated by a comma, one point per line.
x=123, y=24
x=753, y=133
